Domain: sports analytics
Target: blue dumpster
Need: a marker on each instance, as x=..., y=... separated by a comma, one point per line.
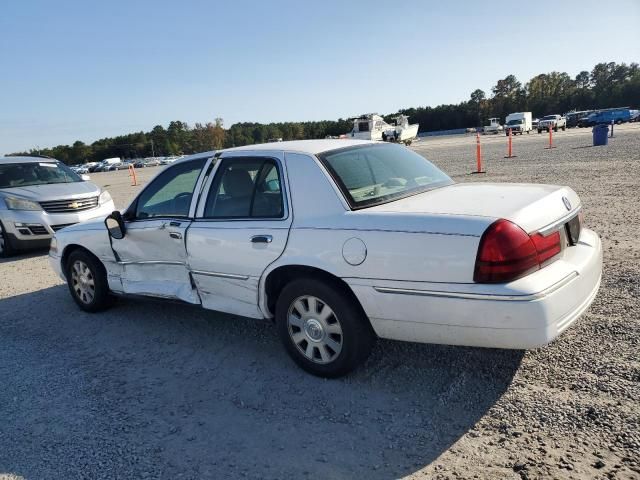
x=600, y=135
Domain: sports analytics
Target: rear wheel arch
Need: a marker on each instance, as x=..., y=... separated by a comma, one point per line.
x=278, y=278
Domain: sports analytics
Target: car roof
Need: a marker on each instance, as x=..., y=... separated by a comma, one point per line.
x=26, y=159
x=310, y=147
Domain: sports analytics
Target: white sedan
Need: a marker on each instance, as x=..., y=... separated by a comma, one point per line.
x=341, y=242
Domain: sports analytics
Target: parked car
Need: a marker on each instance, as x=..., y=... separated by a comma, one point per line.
x=534, y=124
x=552, y=121
x=382, y=244
x=39, y=196
x=573, y=118
x=617, y=115
x=114, y=167
x=151, y=162
x=139, y=164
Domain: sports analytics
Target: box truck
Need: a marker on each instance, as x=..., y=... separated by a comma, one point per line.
x=518, y=122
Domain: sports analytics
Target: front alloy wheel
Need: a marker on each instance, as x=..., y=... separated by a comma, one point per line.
x=87, y=281
x=83, y=282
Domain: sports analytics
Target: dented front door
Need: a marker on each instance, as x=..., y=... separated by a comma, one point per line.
x=153, y=259
x=152, y=253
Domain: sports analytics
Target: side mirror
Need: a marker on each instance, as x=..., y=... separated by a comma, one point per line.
x=115, y=225
x=85, y=177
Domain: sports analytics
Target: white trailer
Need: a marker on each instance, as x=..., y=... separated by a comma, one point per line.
x=518, y=122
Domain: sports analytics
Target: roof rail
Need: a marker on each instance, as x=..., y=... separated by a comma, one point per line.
x=35, y=155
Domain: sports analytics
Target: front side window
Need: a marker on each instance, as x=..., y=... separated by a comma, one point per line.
x=170, y=194
x=246, y=188
x=35, y=173
x=374, y=174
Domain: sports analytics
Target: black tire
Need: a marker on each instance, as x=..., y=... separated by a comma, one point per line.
x=539, y=131
x=356, y=336
x=6, y=249
x=564, y=128
x=555, y=129
x=100, y=299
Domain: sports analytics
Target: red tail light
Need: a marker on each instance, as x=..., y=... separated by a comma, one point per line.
x=506, y=252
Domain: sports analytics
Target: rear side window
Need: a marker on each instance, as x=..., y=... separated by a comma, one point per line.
x=246, y=188
x=170, y=194
x=372, y=174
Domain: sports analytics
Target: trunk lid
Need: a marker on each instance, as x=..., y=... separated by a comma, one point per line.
x=531, y=206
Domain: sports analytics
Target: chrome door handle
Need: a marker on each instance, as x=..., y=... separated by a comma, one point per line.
x=175, y=235
x=261, y=239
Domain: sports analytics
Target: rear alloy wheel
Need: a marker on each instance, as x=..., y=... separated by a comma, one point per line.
x=87, y=281
x=6, y=249
x=322, y=329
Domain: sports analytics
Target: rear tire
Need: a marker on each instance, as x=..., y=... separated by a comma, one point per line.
x=6, y=249
x=323, y=330
x=87, y=282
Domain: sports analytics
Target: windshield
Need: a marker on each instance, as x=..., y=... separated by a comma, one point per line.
x=549, y=117
x=374, y=174
x=35, y=173
x=515, y=122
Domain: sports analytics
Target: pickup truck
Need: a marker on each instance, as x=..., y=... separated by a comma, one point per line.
x=552, y=121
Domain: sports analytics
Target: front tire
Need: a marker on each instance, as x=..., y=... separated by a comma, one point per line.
x=87, y=282
x=6, y=249
x=323, y=330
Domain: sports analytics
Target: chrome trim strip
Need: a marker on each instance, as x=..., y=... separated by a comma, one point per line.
x=546, y=230
x=480, y=296
x=220, y=275
x=351, y=229
x=152, y=262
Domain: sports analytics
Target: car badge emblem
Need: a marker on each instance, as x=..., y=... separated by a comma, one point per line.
x=76, y=205
x=566, y=202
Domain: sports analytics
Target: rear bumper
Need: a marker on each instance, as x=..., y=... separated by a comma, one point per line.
x=528, y=319
x=34, y=229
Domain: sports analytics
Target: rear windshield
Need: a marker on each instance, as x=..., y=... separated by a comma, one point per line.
x=35, y=173
x=373, y=174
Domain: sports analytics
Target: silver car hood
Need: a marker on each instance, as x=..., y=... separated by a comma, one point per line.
x=54, y=191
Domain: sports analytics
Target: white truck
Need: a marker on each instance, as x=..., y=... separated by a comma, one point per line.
x=552, y=121
x=519, y=122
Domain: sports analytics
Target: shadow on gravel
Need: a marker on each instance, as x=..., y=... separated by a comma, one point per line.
x=23, y=256
x=161, y=390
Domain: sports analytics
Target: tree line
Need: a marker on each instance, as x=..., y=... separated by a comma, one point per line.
x=607, y=85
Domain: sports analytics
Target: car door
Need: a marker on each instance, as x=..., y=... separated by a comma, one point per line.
x=241, y=227
x=153, y=253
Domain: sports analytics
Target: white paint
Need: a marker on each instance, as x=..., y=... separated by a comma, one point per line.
x=424, y=243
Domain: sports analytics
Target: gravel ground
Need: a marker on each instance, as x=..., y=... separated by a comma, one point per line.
x=160, y=390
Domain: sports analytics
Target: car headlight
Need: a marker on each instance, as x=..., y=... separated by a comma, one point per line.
x=104, y=197
x=14, y=203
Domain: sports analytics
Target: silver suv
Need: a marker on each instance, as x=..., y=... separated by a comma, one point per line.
x=39, y=196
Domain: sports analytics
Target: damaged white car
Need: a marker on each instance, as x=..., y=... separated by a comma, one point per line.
x=341, y=242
